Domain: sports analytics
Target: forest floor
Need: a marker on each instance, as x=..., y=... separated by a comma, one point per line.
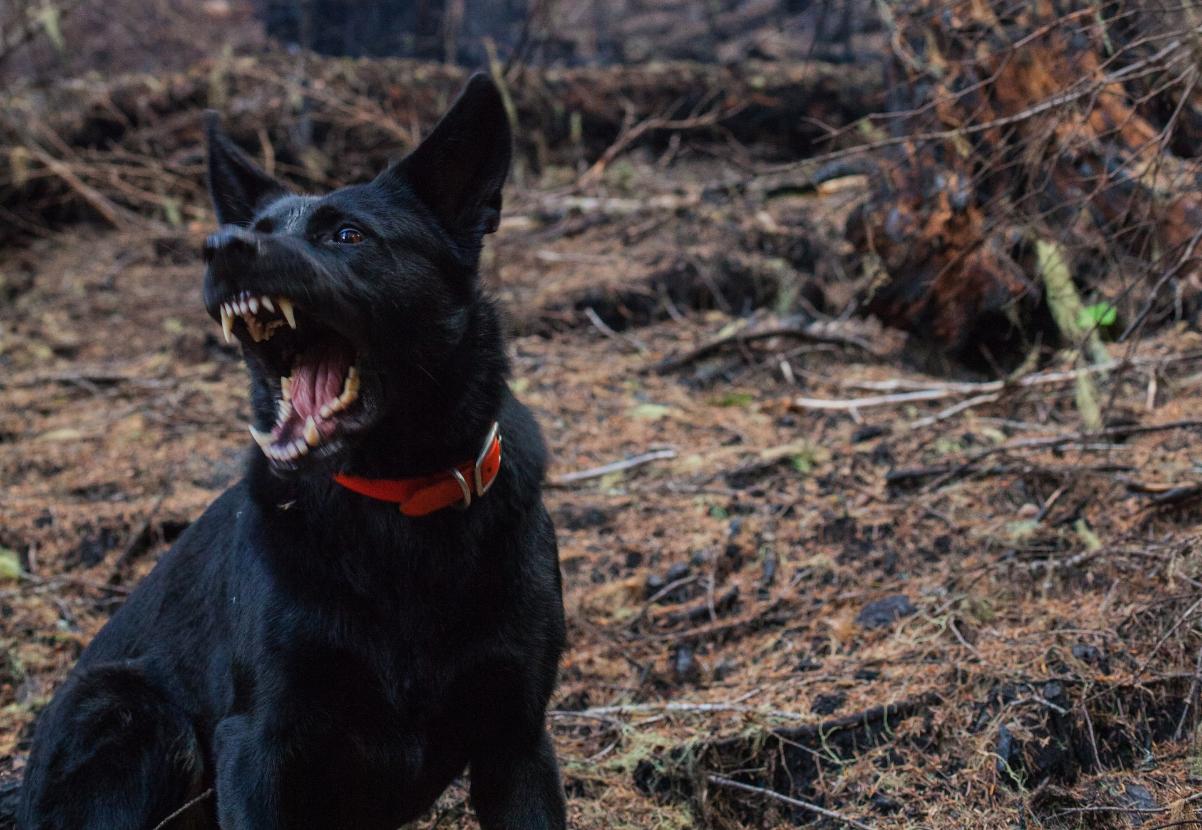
x=948, y=610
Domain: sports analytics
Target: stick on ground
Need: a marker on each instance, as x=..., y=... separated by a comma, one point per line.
x=722, y=781
x=612, y=467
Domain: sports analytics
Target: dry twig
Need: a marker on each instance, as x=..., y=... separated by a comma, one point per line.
x=723, y=781
x=613, y=467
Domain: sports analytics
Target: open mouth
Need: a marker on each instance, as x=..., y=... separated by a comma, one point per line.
x=317, y=392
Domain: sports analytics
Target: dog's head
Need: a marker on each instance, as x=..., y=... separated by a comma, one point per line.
x=349, y=305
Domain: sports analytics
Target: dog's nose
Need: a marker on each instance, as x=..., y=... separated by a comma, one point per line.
x=231, y=241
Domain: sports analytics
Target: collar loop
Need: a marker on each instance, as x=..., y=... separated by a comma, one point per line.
x=422, y=495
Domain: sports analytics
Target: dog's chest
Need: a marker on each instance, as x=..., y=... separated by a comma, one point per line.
x=420, y=664
x=388, y=711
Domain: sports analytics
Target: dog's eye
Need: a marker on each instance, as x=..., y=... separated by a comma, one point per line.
x=348, y=235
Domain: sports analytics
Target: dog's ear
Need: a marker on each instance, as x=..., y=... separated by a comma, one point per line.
x=458, y=171
x=236, y=184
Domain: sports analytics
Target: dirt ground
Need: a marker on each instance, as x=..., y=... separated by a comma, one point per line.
x=946, y=610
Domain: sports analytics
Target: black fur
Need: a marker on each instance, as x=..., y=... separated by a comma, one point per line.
x=317, y=658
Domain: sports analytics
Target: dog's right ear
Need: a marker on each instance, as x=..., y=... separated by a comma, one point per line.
x=459, y=170
x=237, y=186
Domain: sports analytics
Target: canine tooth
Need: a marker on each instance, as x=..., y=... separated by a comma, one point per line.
x=253, y=302
x=286, y=388
x=267, y=303
x=312, y=436
x=227, y=324
x=350, y=390
x=286, y=308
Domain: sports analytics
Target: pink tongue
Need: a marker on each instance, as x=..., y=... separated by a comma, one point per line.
x=317, y=378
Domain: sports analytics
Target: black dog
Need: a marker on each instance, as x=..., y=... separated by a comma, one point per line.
x=356, y=621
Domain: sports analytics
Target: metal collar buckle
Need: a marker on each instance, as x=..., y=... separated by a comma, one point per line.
x=481, y=487
x=477, y=472
x=467, y=491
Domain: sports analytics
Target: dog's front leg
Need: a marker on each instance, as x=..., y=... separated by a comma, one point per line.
x=516, y=786
x=247, y=794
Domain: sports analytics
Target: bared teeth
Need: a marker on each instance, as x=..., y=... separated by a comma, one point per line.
x=248, y=307
x=286, y=309
x=227, y=323
x=350, y=389
x=350, y=393
x=263, y=439
x=312, y=436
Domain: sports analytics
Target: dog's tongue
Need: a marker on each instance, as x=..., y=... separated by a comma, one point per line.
x=318, y=376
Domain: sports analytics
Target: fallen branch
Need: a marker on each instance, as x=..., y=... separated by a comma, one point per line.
x=911, y=475
x=758, y=754
x=613, y=467
x=608, y=330
x=93, y=197
x=817, y=332
x=851, y=404
x=954, y=409
x=934, y=390
x=632, y=132
x=1053, y=441
x=690, y=708
x=1076, y=811
x=723, y=781
x=185, y=808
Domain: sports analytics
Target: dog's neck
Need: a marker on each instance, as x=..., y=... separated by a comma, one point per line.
x=438, y=421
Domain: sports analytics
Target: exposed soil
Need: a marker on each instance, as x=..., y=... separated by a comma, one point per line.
x=978, y=622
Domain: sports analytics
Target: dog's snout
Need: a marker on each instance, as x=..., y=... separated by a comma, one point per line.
x=231, y=241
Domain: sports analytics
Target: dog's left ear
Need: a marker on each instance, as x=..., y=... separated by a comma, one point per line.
x=236, y=184
x=458, y=171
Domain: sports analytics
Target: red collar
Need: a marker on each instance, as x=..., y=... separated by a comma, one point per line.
x=423, y=495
